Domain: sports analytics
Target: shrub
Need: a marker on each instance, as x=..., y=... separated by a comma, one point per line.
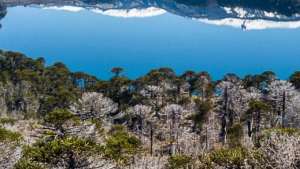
x=58, y=117
x=203, y=109
x=229, y=157
x=121, y=146
x=235, y=134
x=282, y=131
x=6, y=120
x=9, y=136
x=27, y=164
x=179, y=162
x=50, y=153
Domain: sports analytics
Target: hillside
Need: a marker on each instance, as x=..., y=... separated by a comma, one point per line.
x=54, y=118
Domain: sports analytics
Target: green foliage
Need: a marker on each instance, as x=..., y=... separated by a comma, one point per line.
x=58, y=117
x=7, y=120
x=117, y=71
x=28, y=75
x=85, y=82
x=121, y=146
x=258, y=106
x=203, y=108
x=257, y=110
x=54, y=83
x=98, y=124
x=259, y=81
x=235, y=134
x=156, y=76
x=230, y=157
x=9, y=136
x=118, y=90
x=4, y=76
x=295, y=79
x=51, y=152
x=283, y=131
x=179, y=162
x=201, y=85
x=27, y=164
x=57, y=87
x=234, y=158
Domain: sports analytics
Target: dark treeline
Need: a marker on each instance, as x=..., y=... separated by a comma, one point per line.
x=284, y=7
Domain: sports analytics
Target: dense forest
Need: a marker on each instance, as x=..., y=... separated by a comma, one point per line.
x=283, y=7
x=53, y=118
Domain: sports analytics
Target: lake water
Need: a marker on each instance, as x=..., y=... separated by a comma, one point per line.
x=94, y=42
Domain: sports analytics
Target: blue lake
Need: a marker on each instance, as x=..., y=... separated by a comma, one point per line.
x=94, y=43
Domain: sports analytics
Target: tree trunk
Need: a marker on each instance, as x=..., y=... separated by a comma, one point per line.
x=283, y=109
x=151, y=139
x=71, y=161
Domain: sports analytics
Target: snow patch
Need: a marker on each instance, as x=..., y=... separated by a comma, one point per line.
x=252, y=24
x=128, y=13
x=240, y=12
x=65, y=8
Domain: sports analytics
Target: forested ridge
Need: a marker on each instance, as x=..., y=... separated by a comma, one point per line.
x=52, y=117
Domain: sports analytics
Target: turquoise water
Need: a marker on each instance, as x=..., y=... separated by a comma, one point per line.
x=95, y=43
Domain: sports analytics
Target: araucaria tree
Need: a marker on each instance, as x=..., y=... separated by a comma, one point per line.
x=53, y=118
